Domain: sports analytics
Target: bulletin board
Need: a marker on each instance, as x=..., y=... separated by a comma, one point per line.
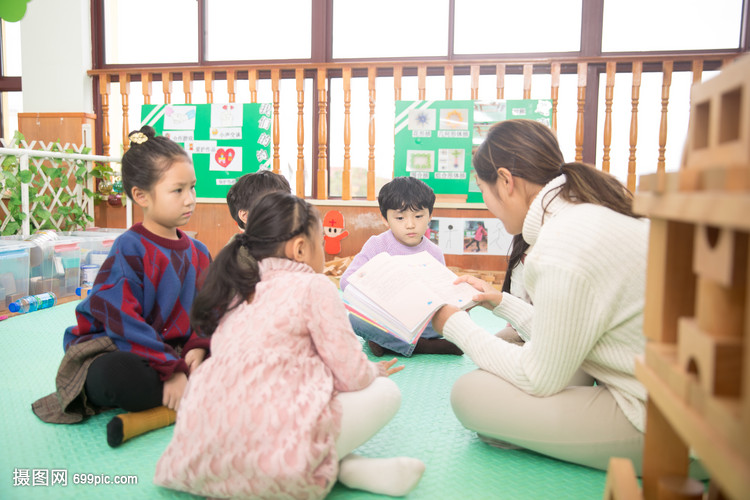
x=225, y=141
x=434, y=140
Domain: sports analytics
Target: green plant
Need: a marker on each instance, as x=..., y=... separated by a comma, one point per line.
x=59, y=174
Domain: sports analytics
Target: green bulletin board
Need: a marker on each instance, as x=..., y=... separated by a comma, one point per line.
x=434, y=140
x=225, y=141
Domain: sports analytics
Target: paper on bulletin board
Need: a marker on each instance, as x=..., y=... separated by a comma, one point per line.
x=224, y=141
x=435, y=140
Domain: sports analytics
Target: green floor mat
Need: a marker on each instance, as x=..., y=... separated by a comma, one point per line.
x=35, y=458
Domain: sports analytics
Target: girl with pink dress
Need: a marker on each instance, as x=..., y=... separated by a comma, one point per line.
x=287, y=393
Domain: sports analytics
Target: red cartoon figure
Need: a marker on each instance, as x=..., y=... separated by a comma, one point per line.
x=333, y=231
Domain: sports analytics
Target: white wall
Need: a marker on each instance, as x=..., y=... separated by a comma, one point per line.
x=56, y=53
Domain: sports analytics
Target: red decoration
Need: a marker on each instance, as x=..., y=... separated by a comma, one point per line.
x=333, y=231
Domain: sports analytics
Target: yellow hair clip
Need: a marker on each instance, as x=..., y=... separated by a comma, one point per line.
x=138, y=138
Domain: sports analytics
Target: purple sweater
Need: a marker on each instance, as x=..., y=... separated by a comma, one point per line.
x=386, y=242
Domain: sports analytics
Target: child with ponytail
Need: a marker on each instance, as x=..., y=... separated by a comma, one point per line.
x=288, y=393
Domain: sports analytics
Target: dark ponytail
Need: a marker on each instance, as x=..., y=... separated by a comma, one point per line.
x=517, y=248
x=272, y=220
x=147, y=158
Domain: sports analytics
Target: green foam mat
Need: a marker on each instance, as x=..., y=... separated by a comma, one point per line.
x=458, y=465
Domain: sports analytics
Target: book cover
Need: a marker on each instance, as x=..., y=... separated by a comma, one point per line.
x=401, y=293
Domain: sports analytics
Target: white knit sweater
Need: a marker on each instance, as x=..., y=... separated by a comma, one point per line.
x=585, y=275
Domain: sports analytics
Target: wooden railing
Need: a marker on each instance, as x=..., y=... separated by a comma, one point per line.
x=588, y=74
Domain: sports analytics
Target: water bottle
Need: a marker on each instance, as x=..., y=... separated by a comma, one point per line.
x=32, y=303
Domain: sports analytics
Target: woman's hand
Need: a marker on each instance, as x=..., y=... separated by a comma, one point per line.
x=489, y=297
x=173, y=389
x=194, y=358
x=385, y=367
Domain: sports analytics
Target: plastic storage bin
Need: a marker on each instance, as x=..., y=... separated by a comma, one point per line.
x=55, y=266
x=14, y=271
x=95, y=247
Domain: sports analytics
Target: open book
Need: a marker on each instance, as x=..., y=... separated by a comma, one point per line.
x=400, y=294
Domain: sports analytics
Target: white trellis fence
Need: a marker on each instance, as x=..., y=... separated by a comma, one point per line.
x=51, y=191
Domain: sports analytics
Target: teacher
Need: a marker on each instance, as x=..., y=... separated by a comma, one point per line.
x=585, y=273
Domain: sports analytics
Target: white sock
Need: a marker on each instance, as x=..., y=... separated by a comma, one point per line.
x=395, y=476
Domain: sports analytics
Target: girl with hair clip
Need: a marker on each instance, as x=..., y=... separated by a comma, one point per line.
x=132, y=347
x=287, y=394
x=584, y=272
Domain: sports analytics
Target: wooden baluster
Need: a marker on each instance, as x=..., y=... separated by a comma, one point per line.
x=252, y=80
x=555, y=91
x=104, y=93
x=276, y=132
x=474, y=82
x=449, y=83
x=582, y=68
x=667, y=67
x=421, y=78
x=299, y=75
x=608, y=98
x=528, y=71
x=397, y=71
x=500, y=72
x=372, y=73
x=346, y=192
x=697, y=71
x=166, y=86
x=230, y=84
x=124, y=91
x=187, y=86
x=322, y=191
x=637, y=70
x=146, y=87
x=208, y=78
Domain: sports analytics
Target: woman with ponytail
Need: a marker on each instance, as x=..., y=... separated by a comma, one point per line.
x=584, y=267
x=287, y=393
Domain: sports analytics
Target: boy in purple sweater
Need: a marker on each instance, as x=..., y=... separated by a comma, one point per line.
x=406, y=206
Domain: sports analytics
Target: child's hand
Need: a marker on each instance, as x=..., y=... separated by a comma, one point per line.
x=385, y=367
x=194, y=358
x=173, y=389
x=490, y=296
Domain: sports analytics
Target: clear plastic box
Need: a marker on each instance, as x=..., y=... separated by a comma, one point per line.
x=55, y=266
x=95, y=247
x=14, y=271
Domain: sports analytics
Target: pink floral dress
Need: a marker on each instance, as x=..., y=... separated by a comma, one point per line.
x=259, y=418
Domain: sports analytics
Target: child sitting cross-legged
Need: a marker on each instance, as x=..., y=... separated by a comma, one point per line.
x=406, y=206
x=287, y=393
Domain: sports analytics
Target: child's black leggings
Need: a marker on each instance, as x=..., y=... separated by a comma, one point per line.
x=123, y=380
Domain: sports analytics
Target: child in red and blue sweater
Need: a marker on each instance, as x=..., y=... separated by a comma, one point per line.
x=133, y=347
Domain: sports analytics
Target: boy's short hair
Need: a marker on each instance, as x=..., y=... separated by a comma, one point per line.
x=248, y=187
x=405, y=193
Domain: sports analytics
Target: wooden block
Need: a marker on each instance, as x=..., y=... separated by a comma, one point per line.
x=622, y=483
x=670, y=283
x=719, y=132
x=745, y=399
x=721, y=209
x=716, y=361
x=719, y=310
x=660, y=182
x=664, y=451
x=679, y=488
x=719, y=254
x=663, y=360
x=723, y=459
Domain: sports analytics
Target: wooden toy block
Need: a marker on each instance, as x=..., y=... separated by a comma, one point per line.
x=660, y=182
x=665, y=453
x=716, y=361
x=719, y=132
x=622, y=483
x=722, y=458
x=719, y=254
x=745, y=410
x=679, y=488
x=663, y=360
x=670, y=283
x=719, y=309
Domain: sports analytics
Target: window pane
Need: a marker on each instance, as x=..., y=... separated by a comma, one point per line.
x=645, y=25
x=12, y=104
x=11, y=49
x=144, y=31
x=504, y=27
x=390, y=28
x=252, y=30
